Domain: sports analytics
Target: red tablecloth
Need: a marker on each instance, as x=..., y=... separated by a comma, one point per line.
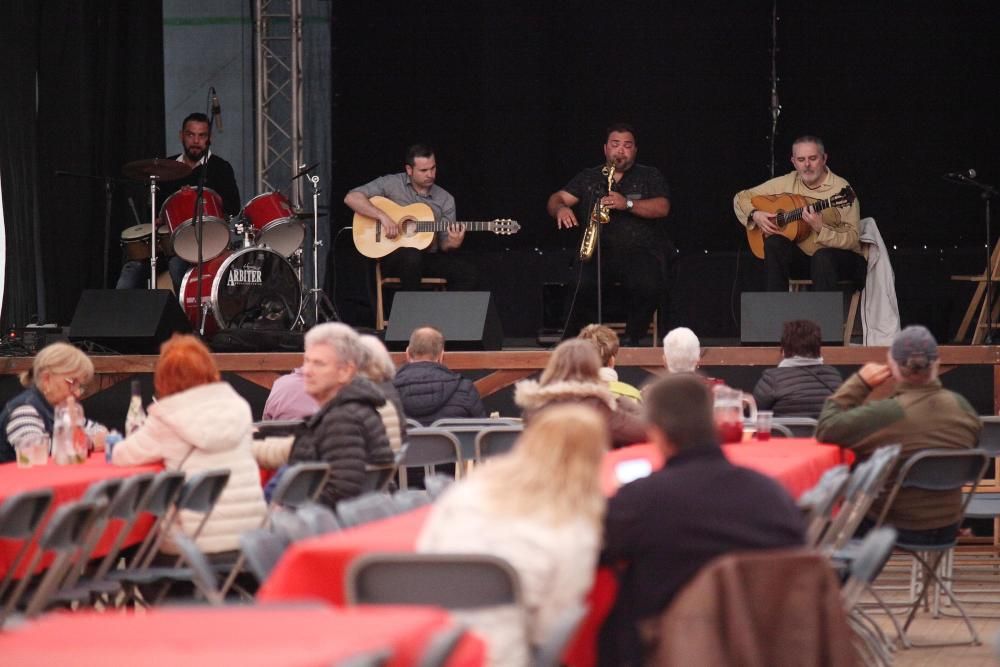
x=316, y=568
x=797, y=463
x=68, y=483
x=261, y=635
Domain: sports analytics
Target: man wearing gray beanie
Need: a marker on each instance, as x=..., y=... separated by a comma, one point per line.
x=919, y=414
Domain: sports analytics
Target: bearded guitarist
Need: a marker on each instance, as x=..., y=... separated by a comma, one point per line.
x=827, y=240
x=417, y=185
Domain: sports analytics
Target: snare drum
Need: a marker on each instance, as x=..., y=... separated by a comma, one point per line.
x=252, y=287
x=178, y=214
x=135, y=242
x=275, y=223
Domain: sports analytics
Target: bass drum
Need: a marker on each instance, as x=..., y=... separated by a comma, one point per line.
x=251, y=288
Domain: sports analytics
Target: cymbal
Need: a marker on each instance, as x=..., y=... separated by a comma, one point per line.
x=306, y=215
x=158, y=167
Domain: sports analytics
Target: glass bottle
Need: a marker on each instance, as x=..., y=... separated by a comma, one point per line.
x=136, y=414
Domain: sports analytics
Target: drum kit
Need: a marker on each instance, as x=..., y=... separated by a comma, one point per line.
x=252, y=285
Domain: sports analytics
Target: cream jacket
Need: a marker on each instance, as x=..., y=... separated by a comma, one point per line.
x=204, y=428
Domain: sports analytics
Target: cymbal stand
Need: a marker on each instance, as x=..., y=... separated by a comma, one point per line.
x=320, y=301
x=152, y=236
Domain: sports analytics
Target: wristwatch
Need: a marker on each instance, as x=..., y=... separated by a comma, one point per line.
x=629, y=204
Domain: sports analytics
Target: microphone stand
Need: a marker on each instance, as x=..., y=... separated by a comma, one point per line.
x=320, y=301
x=199, y=215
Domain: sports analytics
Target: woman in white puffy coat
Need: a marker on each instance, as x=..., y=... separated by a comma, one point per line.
x=200, y=423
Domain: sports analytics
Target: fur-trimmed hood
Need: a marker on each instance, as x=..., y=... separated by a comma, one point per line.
x=531, y=396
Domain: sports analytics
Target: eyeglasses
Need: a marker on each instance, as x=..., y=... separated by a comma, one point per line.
x=75, y=385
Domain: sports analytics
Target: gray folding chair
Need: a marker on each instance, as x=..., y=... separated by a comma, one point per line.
x=869, y=558
x=300, y=483
x=63, y=536
x=20, y=519
x=863, y=487
x=262, y=549
x=496, y=440
x=452, y=581
x=821, y=500
x=466, y=430
x=199, y=495
x=428, y=447
x=800, y=427
x=122, y=510
x=202, y=574
x=411, y=499
x=937, y=470
x=159, y=503
x=440, y=647
x=378, y=476
x=364, y=508
x=318, y=519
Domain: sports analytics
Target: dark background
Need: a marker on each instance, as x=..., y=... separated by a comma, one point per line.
x=516, y=96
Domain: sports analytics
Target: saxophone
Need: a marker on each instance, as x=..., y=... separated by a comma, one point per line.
x=599, y=215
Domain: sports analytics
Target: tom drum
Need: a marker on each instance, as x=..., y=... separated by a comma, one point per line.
x=275, y=223
x=178, y=214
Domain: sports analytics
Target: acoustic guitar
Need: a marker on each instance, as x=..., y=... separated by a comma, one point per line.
x=789, y=208
x=418, y=228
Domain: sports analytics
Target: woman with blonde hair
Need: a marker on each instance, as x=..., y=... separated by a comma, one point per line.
x=541, y=508
x=58, y=372
x=378, y=368
x=573, y=376
x=200, y=423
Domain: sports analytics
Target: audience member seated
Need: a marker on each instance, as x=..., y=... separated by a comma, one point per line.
x=801, y=383
x=540, y=508
x=573, y=376
x=59, y=372
x=428, y=389
x=663, y=528
x=629, y=398
x=200, y=423
x=288, y=399
x=346, y=431
x=380, y=370
x=920, y=414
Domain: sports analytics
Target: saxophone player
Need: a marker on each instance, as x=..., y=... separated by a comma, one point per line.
x=634, y=247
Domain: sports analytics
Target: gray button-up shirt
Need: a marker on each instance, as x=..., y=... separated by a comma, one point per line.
x=397, y=187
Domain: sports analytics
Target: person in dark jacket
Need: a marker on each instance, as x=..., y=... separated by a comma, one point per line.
x=429, y=389
x=801, y=383
x=662, y=529
x=347, y=431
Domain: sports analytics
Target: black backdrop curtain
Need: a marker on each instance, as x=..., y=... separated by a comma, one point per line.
x=99, y=72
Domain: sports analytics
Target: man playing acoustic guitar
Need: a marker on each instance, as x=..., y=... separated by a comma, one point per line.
x=416, y=185
x=821, y=228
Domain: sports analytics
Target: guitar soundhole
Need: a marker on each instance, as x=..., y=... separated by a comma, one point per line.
x=409, y=227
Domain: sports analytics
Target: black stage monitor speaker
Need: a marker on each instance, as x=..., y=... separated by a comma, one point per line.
x=468, y=320
x=763, y=314
x=132, y=321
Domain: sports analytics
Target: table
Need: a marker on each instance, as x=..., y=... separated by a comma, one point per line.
x=316, y=568
x=249, y=636
x=797, y=463
x=68, y=483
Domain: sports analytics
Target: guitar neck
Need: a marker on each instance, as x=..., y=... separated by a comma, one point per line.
x=470, y=226
x=796, y=214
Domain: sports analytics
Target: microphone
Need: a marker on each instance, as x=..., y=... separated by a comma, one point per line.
x=961, y=175
x=216, y=110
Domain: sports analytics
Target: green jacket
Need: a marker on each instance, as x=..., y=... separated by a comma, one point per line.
x=918, y=417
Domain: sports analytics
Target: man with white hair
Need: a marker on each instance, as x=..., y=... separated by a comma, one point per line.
x=681, y=351
x=347, y=431
x=919, y=414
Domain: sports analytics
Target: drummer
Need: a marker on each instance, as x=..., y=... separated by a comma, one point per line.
x=196, y=141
